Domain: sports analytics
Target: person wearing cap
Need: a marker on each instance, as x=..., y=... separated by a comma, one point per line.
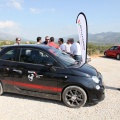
x=18, y=41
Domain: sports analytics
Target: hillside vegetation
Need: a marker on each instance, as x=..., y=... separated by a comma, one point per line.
x=92, y=48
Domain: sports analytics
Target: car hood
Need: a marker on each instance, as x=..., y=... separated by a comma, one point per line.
x=85, y=71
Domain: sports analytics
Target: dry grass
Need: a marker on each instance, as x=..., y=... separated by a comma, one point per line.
x=96, y=56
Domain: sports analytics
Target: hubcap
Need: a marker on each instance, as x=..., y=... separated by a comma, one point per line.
x=74, y=97
x=118, y=57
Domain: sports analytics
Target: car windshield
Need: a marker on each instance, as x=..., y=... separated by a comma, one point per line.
x=64, y=57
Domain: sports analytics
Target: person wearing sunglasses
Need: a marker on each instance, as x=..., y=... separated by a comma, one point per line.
x=47, y=39
x=18, y=41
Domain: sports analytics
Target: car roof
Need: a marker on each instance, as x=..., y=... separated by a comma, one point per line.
x=116, y=46
x=27, y=45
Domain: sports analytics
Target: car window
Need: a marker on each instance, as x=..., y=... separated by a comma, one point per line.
x=64, y=57
x=35, y=56
x=9, y=55
x=112, y=48
x=116, y=48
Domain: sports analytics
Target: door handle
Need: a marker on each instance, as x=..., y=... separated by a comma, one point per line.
x=18, y=71
x=38, y=76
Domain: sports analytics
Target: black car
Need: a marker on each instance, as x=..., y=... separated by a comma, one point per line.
x=43, y=71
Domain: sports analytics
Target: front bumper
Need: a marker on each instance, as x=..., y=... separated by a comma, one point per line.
x=95, y=96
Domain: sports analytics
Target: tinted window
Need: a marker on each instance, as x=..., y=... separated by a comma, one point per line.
x=114, y=48
x=65, y=58
x=9, y=55
x=35, y=57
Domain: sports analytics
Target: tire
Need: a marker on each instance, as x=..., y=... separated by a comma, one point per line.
x=118, y=56
x=74, y=97
x=105, y=54
x=1, y=89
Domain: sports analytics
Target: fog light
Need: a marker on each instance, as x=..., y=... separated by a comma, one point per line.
x=97, y=87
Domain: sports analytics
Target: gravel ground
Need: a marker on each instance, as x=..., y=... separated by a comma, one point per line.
x=18, y=107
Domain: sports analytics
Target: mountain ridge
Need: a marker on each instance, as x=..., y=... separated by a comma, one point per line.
x=98, y=38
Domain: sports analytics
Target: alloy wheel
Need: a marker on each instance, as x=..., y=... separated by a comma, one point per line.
x=74, y=97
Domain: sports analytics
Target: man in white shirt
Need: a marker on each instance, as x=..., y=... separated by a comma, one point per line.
x=61, y=44
x=67, y=46
x=75, y=50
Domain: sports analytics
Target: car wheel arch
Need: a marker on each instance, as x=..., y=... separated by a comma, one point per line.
x=105, y=53
x=70, y=96
x=76, y=86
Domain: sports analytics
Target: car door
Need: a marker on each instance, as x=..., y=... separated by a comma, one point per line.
x=110, y=51
x=7, y=58
x=115, y=51
x=31, y=72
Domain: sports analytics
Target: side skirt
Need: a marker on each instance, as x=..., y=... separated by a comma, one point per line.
x=37, y=94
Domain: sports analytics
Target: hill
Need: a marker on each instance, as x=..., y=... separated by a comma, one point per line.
x=105, y=38
x=99, y=38
x=9, y=37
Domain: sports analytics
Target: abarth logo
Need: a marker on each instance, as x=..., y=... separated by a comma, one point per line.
x=30, y=77
x=33, y=74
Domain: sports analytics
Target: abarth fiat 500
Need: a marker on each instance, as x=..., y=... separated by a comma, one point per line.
x=43, y=71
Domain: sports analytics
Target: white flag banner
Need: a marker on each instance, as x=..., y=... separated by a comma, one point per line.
x=81, y=22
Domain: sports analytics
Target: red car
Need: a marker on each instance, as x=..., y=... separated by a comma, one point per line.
x=114, y=51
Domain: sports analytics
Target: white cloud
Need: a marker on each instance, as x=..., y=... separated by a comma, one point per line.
x=35, y=11
x=7, y=24
x=17, y=4
x=38, y=11
x=10, y=27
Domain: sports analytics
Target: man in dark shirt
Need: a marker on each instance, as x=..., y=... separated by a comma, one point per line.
x=46, y=40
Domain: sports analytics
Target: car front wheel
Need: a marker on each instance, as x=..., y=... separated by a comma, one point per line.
x=105, y=54
x=74, y=97
x=118, y=56
x=1, y=89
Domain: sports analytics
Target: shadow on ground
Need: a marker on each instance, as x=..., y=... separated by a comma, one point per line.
x=13, y=95
x=109, y=58
x=112, y=88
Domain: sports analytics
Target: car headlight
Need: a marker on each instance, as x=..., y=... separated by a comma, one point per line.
x=95, y=79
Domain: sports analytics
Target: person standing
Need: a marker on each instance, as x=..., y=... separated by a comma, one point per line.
x=67, y=46
x=47, y=39
x=52, y=44
x=39, y=39
x=18, y=41
x=75, y=50
x=61, y=44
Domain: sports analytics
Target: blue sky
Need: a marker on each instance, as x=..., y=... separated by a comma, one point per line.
x=57, y=18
